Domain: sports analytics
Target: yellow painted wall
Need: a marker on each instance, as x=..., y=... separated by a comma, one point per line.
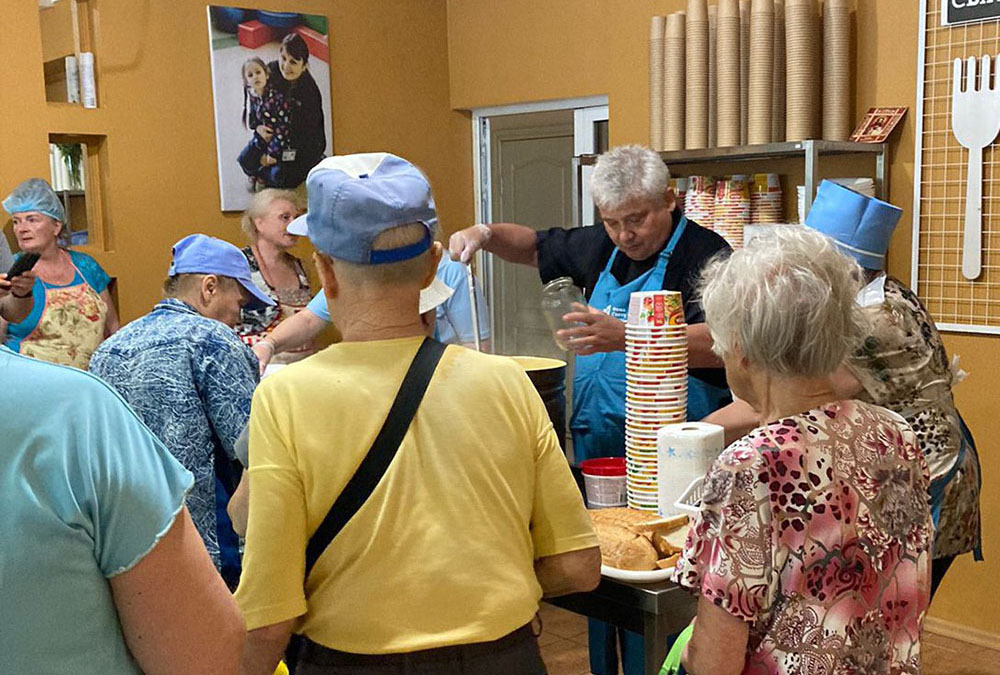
x=523, y=50
x=390, y=92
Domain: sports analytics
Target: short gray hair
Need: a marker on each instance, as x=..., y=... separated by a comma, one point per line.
x=627, y=173
x=786, y=302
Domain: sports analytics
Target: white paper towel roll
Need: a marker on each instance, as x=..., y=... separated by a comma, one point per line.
x=88, y=87
x=685, y=451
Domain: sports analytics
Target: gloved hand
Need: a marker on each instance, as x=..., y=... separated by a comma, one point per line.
x=463, y=244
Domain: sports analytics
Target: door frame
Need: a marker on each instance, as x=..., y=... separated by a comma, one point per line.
x=587, y=111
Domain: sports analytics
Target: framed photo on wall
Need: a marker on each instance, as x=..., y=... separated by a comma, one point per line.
x=271, y=89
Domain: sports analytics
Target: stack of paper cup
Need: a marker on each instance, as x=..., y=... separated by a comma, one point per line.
x=655, y=386
x=713, y=28
x=679, y=186
x=732, y=208
x=765, y=200
x=673, y=116
x=761, y=64
x=699, y=202
x=696, y=76
x=836, y=70
x=684, y=452
x=801, y=108
x=727, y=68
x=778, y=75
x=744, y=70
x=656, y=79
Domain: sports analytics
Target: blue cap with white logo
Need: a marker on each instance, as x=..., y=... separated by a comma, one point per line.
x=354, y=198
x=201, y=254
x=860, y=225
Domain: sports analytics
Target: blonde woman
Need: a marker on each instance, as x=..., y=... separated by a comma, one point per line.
x=275, y=271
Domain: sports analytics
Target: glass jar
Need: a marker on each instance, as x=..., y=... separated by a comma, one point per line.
x=559, y=298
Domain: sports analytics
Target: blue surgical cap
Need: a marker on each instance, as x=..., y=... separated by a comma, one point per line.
x=35, y=194
x=860, y=225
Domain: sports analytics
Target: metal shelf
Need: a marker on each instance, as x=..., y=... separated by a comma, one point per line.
x=810, y=151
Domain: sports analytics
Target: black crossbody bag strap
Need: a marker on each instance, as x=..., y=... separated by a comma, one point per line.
x=383, y=450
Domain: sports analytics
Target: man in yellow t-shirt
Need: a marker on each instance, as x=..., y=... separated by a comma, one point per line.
x=477, y=517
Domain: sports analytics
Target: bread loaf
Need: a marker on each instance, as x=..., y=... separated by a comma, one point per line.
x=637, y=540
x=624, y=549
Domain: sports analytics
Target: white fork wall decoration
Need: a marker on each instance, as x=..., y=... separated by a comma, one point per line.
x=975, y=121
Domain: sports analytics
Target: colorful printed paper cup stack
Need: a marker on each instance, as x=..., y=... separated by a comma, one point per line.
x=765, y=199
x=655, y=386
x=699, y=200
x=732, y=208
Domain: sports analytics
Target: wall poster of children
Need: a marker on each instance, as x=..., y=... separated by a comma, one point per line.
x=271, y=85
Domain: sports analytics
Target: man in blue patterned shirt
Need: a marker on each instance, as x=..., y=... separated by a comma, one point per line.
x=190, y=378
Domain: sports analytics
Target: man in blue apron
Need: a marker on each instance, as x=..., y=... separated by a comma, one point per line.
x=645, y=244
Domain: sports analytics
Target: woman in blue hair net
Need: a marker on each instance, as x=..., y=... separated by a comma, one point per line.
x=901, y=364
x=72, y=310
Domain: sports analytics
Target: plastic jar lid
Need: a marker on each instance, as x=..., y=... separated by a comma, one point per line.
x=603, y=466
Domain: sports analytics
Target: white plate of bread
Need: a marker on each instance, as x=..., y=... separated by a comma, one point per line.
x=638, y=546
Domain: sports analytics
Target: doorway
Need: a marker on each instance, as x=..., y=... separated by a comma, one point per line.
x=526, y=173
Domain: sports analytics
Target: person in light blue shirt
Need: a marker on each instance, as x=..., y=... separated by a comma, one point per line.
x=190, y=377
x=101, y=569
x=453, y=316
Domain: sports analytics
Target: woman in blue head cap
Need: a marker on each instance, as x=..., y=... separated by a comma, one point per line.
x=901, y=365
x=72, y=310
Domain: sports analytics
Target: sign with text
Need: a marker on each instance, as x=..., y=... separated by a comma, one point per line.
x=966, y=11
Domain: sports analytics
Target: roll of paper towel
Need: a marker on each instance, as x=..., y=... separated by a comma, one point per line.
x=685, y=451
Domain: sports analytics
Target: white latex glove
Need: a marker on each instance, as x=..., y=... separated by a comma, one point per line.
x=463, y=244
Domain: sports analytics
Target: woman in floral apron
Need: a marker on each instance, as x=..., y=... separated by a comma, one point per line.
x=72, y=311
x=273, y=269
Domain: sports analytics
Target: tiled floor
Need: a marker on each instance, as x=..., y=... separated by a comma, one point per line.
x=564, y=649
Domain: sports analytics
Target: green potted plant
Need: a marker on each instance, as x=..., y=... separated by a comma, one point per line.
x=72, y=155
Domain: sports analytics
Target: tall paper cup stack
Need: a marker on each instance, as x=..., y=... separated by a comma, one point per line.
x=655, y=386
x=778, y=75
x=761, y=65
x=696, y=81
x=656, y=79
x=744, y=70
x=727, y=68
x=836, y=70
x=684, y=452
x=673, y=116
x=801, y=73
x=713, y=27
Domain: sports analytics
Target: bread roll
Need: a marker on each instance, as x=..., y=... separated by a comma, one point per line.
x=624, y=549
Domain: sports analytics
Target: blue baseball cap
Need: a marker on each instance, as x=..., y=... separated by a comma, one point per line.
x=860, y=225
x=201, y=254
x=354, y=198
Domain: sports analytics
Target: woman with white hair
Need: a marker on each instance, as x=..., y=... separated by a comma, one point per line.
x=812, y=548
x=275, y=271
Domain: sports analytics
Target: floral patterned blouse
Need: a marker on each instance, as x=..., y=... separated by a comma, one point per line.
x=816, y=531
x=257, y=323
x=902, y=365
